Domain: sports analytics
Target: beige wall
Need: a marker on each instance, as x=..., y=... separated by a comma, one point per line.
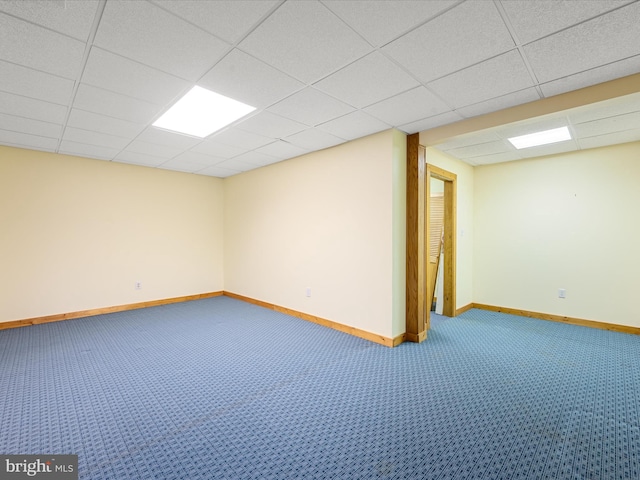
x=77, y=234
x=465, y=231
x=326, y=221
x=568, y=221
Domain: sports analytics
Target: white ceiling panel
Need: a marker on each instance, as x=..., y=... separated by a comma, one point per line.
x=498, y=103
x=311, y=107
x=271, y=125
x=608, y=38
x=531, y=126
x=30, y=108
x=354, y=125
x=600, y=74
x=32, y=83
x=170, y=139
x=39, y=48
x=381, y=21
x=240, y=138
x=610, y=139
x=256, y=158
x=431, y=122
x=150, y=35
x=246, y=79
x=281, y=150
x=216, y=149
x=30, y=126
x=501, y=75
x=486, y=136
x=100, y=123
x=305, y=40
x=366, y=81
x=314, y=139
x=235, y=165
x=153, y=149
x=496, y=158
x=72, y=18
x=465, y=35
x=408, y=107
x=610, y=108
x=111, y=104
x=84, y=150
x=88, y=137
x=182, y=165
x=28, y=141
x=199, y=158
x=618, y=123
x=142, y=159
x=227, y=19
x=133, y=79
x=552, y=149
x=219, y=172
x=534, y=20
x=481, y=149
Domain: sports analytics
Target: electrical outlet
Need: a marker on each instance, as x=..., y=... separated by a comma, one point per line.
x=138, y=285
x=562, y=293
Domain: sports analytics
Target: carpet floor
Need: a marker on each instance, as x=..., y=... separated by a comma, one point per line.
x=222, y=389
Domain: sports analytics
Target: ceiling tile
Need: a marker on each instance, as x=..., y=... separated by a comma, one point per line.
x=552, y=149
x=496, y=158
x=481, y=149
x=118, y=74
x=39, y=48
x=91, y=151
x=601, y=74
x=486, y=136
x=314, y=139
x=169, y=139
x=111, y=104
x=500, y=75
x=603, y=40
x=246, y=79
x=271, y=125
x=28, y=141
x=235, y=165
x=256, y=158
x=240, y=138
x=216, y=149
x=30, y=108
x=70, y=18
x=182, y=165
x=229, y=20
x=408, y=107
x=219, y=172
x=153, y=149
x=30, y=126
x=609, y=108
x=618, y=123
x=382, y=21
x=431, y=122
x=305, y=40
x=354, y=125
x=31, y=83
x=282, y=150
x=135, y=158
x=499, y=103
x=199, y=158
x=88, y=137
x=610, y=139
x=100, y=123
x=138, y=30
x=465, y=35
x=383, y=79
x=534, y=20
x=311, y=107
x=531, y=126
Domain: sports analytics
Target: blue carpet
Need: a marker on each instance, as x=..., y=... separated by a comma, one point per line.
x=221, y=389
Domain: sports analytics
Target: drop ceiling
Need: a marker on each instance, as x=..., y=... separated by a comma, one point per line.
x=89, y=77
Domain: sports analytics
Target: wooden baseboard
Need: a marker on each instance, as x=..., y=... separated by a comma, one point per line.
x=356, y=332
x=99, y=311
x=464, y=309
x=562, y=319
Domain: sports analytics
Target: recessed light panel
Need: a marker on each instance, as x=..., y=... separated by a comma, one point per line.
x=201, y=112
x=541, y=138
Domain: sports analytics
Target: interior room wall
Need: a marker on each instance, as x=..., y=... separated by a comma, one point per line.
x=464, y=220
x=77, y=234
x=327, y=221
x=561, y=222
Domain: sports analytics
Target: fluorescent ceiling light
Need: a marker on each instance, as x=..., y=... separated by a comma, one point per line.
x=201, y=112
x=541, y=138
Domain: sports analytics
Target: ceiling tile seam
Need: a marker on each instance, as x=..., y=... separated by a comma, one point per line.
x=572, y=131
x=29, y=118
x=34, y=98
x=27, y=133
x=36, y=70
x=569, y=27
x=345, y=23
x=514, y=36
x=44, y=27
x=85, y=57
